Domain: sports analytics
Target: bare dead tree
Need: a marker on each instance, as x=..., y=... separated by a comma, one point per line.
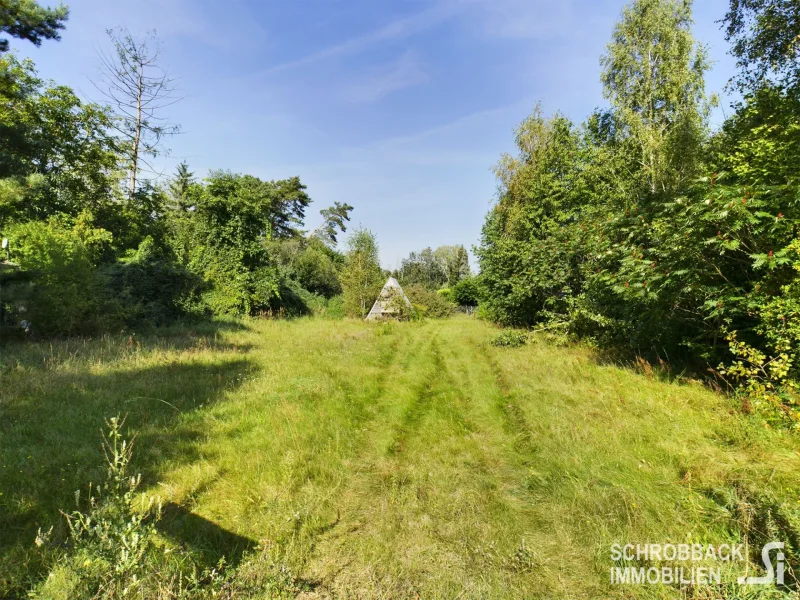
x=138, y=88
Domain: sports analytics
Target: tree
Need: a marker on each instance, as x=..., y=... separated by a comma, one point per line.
x=179, y=188
x=311, y=262
x=361, y=276
x=139, y=88
x=422, y=268
x=527, y=255
x=466, y=292
x=289, y=201
x=55, y=149
x=653, y=75
x=454, y=262
x=765, y=38
x=334, y=219
x=26, y=20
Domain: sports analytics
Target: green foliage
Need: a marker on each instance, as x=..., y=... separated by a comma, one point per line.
x=148, y=286
x=510, y=339
x=763, y=380
x=47, y=132
x=653, y=76
x=232, y=244
x=454, y=262
x=334, y=219
x=27, y=20
x=115, y=551
x=314, y=264
x=361, y=276
x=531, y=250
x=422, y=268
x=63, y=294
x=397, y=307
x=179, y=188
x=760, y=143
x=445, y=266
x=642, y=233
x=428, y=303
x=225, y=240
x=466, y=292
x=764, y=39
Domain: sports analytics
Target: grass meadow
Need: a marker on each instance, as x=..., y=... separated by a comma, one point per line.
x=339, y=459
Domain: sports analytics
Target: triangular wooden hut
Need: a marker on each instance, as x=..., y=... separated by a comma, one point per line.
x=386, y=305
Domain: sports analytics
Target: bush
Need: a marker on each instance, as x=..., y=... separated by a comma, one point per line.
x=428, y=303
x=333, y=308
x=510, y=339
x=466, y=292
x=63, y=293
x=148, y=286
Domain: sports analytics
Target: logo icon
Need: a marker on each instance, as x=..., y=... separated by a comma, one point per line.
x=770, y=577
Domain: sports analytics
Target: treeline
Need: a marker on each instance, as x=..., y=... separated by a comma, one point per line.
x=647, y=232
x=95, y=241
x=438, y=282
x=85, y=255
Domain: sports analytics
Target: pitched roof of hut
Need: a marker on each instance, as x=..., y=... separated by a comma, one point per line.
x=383, y=306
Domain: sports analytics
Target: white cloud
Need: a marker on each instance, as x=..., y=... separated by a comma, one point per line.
x=407, y=71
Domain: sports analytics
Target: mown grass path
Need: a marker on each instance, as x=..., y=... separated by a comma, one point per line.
x=390, y=461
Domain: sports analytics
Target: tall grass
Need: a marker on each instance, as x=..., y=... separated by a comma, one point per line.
x=390, y=461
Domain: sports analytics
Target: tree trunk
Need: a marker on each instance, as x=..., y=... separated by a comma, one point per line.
x=136, y=136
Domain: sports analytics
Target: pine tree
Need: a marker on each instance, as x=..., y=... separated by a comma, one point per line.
x=179, y=188
x=26, y=20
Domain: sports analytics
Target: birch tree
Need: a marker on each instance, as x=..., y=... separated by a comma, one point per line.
x=653, y=75
x=361, y=276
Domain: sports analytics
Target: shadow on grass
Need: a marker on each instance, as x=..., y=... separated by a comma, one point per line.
x=203, y=538
x=50, y=441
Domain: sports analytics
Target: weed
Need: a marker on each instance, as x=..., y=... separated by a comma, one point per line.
x=510, y=339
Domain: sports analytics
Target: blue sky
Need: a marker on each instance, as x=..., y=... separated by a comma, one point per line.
x=399, y=108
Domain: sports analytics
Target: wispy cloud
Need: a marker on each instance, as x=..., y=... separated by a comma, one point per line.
x=399, y=29
x=464, y=123
x=532, y=19
x=405, y=72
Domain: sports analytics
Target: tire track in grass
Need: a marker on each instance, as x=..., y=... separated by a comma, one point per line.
x=419, y=405
x=436, y=508
x=514, y=421
x=404, y=406
x=395, y=363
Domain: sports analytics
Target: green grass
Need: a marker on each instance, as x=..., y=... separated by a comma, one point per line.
x=390, y=461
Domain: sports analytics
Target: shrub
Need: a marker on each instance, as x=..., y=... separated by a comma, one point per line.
x=333, y=308
x=148, y=286
x=466, y=292
x=428, y=303
x=510, y=339
x=63, y=293
x=398, y=308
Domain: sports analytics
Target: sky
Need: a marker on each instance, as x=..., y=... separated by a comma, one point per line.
x=397, y=107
